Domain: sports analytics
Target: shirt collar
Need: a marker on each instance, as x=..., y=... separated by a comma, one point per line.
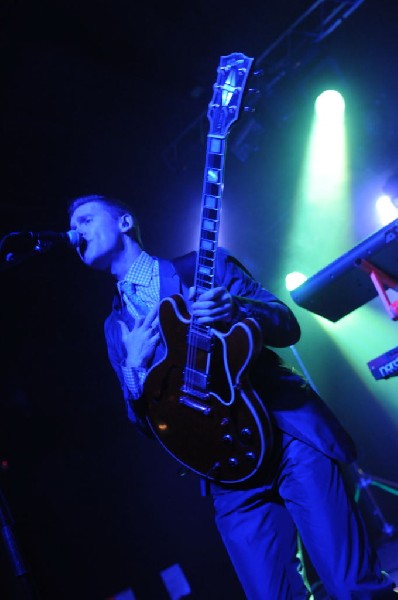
x=140, y=272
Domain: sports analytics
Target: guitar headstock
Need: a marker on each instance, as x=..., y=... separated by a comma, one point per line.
x=232, y=74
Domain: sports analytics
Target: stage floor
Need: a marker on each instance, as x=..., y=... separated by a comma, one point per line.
x=388, y=553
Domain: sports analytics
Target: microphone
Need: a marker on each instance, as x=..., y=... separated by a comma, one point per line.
x=40, y=241
x=70, y=238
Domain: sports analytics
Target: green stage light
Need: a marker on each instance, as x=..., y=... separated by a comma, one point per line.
x=320, y=227
x=329, y=105
x=294, y=279
x=386, y=209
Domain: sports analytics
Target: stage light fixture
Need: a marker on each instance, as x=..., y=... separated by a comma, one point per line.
x=386, y=209
x=390, y=188
x=294, y=279
x=329, y=104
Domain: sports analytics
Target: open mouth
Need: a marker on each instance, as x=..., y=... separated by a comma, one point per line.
x=82, y=246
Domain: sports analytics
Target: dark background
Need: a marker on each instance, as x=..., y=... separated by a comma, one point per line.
x=111, y=97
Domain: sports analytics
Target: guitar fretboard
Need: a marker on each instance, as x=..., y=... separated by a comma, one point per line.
x=211, y=211
x=199, y=336
x=223, y=111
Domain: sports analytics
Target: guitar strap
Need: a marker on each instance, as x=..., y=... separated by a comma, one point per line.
x=185, y=267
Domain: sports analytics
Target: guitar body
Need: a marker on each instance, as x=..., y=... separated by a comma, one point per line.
x=223, y=432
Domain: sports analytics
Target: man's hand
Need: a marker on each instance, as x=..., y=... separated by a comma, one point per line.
x=215, y=305
x=141, y=341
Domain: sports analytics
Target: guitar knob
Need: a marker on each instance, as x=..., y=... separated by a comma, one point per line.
x=251, y=456
x=227, y=438
x=254, y=92
x=233, y=461
x=246, y=434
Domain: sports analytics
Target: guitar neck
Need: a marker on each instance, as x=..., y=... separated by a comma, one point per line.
x=223, y=111
x=213, y=187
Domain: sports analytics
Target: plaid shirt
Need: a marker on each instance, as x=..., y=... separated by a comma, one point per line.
x=143, y=279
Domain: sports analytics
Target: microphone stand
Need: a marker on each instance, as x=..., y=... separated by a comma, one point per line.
x=13, y=261
x=17, y=578
x=364, y=479
x=18, y=583
x=13, y=258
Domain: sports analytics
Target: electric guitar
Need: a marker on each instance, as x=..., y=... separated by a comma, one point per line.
x=200, y=405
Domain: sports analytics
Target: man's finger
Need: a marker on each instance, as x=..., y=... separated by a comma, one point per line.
x=213, y=294
x=149, y=318
x=219, y=291
x=124, y=329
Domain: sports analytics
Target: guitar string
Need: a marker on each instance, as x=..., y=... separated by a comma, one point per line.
x=213, y=175
x=194, y=335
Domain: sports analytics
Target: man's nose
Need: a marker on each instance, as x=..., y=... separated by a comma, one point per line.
x=81, y=230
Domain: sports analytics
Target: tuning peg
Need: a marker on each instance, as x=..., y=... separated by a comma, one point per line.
x=249, y=109
x=258, y=73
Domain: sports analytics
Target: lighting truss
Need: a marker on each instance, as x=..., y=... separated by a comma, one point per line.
x=288, y=53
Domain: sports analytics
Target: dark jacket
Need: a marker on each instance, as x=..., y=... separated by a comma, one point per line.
x=294, y=406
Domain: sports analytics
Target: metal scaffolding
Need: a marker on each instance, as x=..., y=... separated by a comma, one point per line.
x=295, y=45
x=284, y=57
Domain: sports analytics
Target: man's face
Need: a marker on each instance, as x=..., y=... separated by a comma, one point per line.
x=102, y=239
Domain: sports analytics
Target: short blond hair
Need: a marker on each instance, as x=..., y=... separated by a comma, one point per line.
x=116, y=207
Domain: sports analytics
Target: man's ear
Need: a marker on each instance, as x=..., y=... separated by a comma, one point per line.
x=126, y=223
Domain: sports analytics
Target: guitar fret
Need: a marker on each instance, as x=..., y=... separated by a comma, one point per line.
x=205, y=263
x=213, y=175
x=215, y=161
x=205, y=282
x=213, y=189
x=206, y=260
x=205, y=277
x=211, y=202
x=211, y=214
x=209, y=235
x=215, y=145
x=207, y=253
x=209, y=225
x=205, y=271
x=206, y=246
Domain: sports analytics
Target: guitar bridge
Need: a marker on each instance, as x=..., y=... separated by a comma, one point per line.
x=204, y=409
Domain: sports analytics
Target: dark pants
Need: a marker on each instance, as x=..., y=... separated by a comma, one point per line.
x=259, y=529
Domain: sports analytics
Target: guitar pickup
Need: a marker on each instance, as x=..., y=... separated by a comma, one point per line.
x=201, y=340
x=196, y=382
x=196, y=405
